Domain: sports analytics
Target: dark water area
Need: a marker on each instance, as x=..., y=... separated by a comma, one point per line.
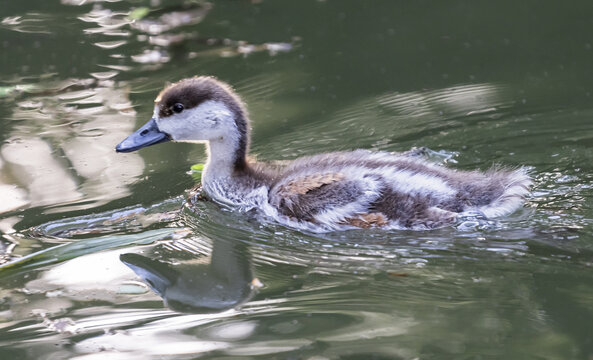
x=101, y=259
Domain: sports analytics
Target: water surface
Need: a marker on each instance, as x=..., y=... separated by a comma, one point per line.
x=105, y=261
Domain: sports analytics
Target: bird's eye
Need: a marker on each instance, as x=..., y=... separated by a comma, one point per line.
x=178, y=108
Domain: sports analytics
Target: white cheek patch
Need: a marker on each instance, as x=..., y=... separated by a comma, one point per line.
x=215, y=113
x=207, y=121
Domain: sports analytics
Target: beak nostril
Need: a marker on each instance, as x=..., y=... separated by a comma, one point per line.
x=147, y=135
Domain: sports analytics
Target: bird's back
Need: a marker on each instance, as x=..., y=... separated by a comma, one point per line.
x=363, y=188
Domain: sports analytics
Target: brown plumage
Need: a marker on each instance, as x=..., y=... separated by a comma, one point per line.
x=308, y=183
x=368, y=220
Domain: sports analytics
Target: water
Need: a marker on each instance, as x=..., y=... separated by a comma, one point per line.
x=91, y=237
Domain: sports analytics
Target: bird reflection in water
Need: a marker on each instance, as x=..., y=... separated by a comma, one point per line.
x=192, y=286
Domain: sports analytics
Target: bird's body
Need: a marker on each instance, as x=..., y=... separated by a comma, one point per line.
x=332, y=191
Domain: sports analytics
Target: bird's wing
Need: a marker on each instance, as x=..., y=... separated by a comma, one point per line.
x=305, y=196
x=305, y=184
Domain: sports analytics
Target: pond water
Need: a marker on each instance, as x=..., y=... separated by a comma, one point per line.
x=101, y=259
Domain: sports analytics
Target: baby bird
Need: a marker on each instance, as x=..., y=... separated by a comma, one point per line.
x=325, y=192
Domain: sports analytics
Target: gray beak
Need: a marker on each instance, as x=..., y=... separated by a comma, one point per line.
x=147, y=135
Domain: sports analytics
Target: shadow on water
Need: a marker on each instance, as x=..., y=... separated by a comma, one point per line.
x=189, y=285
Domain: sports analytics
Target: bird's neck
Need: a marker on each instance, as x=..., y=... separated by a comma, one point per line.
x=226, y=158
x=227, y=155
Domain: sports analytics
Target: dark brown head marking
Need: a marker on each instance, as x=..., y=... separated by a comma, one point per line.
x=194, y=91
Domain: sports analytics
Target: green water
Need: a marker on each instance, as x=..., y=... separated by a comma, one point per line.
x=87, y=233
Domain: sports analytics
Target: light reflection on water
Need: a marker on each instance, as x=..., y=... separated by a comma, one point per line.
x=78, y=80
x=60, y=149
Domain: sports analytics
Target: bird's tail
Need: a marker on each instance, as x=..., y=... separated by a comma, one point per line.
x=516, y=187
